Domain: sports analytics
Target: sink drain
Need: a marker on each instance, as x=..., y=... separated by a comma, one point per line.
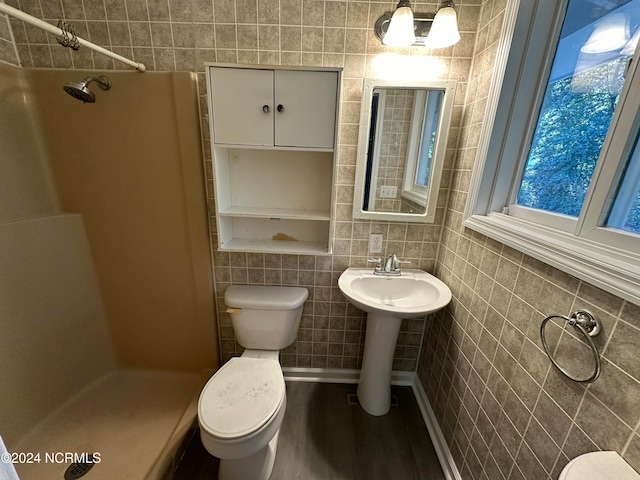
x=78, y=469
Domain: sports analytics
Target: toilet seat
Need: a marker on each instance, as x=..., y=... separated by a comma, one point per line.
x=241, y=398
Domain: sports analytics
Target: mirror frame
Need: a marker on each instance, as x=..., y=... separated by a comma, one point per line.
x=449, y=87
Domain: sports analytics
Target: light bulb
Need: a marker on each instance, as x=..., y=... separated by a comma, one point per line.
x=444, y=30
x=401, y=31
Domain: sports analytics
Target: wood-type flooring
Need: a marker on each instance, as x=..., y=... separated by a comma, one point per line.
x=325, y=437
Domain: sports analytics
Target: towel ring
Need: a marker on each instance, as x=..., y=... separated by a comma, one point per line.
x=589, y=326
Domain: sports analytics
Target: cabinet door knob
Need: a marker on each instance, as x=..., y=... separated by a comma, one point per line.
x=280, y=108
x=265, y=108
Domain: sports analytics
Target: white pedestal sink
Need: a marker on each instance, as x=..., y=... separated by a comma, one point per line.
x=387, y=300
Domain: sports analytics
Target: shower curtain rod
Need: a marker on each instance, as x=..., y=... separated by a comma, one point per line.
x=20, y=15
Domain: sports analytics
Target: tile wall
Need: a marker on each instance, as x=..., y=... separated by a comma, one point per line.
x=7, y=47
x=506, y=413
x=332, y=34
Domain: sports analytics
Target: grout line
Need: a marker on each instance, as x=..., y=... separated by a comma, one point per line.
x=634, y=434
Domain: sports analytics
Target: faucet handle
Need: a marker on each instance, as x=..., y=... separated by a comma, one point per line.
x=378, y=262
x=397, y=262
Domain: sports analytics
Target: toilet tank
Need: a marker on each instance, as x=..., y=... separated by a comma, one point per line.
x=265, y=317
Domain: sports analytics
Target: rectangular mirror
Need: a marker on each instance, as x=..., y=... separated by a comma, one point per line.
x=401, y=148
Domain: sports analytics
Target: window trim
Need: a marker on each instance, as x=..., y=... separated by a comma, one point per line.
x=618, y=145
x=410, y=190
x=612, y=269
x=373, y=192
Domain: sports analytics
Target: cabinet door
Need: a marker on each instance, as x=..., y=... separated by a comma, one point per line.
x=305, y=108
x=242, y=106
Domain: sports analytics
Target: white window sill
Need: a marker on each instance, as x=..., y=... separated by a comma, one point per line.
x=611, y=270
x=417, y=198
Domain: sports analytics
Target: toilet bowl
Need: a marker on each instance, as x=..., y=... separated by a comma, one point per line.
x=242, y=406
x=598, y=466
x=240, y=412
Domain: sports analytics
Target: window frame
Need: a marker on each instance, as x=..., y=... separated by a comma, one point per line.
x=410, y=189
x=602, y=256
x=421, y=119
x=375, y=161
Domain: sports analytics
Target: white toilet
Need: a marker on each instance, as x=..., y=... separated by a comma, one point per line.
x=598, y=466
x=242, y=406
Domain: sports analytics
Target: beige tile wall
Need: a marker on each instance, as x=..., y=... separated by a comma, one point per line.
x=333, y=34
x=7, y=47
x=506, y=413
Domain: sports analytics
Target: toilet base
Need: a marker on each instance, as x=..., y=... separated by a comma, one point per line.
x=255, y=467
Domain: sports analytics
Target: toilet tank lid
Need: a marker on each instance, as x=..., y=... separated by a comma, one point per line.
x=599, y=466
x=265, y=297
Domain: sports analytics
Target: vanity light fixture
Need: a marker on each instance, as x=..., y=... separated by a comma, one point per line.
x=403, y=27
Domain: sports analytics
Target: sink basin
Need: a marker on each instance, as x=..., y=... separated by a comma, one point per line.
x=387, y=300
x=413, y=294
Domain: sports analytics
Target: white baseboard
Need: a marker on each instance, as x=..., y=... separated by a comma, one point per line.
x=408, y=379
x=321, y=375
x=339, y=375
x=437, y=438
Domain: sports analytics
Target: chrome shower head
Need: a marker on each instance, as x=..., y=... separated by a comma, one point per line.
x=81, y=91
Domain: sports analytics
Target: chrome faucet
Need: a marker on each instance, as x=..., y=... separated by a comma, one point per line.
x=391, y=265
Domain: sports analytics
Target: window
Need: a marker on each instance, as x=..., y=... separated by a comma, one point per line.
x=558, y=173
x=422, y=142
x=625, y=212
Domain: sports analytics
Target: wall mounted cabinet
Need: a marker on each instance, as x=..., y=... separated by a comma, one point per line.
x=273, y=134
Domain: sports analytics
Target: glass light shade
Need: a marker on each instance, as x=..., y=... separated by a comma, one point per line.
x=401, y=31
x=610, y=33
x=444, y=30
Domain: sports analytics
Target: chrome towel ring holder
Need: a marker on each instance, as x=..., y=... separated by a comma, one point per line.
x=589, y=326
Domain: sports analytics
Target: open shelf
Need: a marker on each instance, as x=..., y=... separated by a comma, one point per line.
x=271, y=235
x=275, y=213
x=276, y=246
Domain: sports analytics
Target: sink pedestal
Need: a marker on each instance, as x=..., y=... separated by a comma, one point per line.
x=374, y=387
x=387, y=299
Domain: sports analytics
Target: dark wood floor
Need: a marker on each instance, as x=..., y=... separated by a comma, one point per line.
x=323, y=437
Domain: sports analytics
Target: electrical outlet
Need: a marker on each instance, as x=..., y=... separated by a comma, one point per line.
x=388, y=192
x=375, y=243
